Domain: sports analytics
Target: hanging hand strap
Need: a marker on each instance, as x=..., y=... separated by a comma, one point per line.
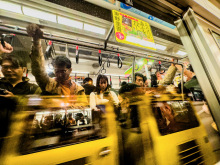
x=100, y=58
x=77, y=54
x=119, y=61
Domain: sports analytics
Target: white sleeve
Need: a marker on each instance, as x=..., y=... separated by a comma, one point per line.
x=93, y=101
x=115, y=98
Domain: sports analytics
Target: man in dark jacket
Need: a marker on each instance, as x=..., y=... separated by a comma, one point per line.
x=13, y=82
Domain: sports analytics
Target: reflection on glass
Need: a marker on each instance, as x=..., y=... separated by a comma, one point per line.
x=52, y=127
x=174, y=116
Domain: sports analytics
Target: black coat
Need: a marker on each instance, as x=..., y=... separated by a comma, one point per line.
x=22, y=88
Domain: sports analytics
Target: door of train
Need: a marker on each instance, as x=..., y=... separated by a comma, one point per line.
x=51, y=130
x=201, y=40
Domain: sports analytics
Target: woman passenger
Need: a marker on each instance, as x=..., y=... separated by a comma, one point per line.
x=102, y=94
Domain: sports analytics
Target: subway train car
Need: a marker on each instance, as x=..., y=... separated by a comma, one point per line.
x=173, y=133
x=54, y=130
x=115, y=39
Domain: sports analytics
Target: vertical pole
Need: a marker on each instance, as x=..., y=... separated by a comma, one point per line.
x=133, y=70
x=182, y=82
x=67, y=51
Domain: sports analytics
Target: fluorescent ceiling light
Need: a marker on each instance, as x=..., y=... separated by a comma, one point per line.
x=70, y=22
x=161, y=47
x=181, y=53
x=140, y=63
x=140, y=42
x=39, y=14
x=94, y=29
x=10, y=7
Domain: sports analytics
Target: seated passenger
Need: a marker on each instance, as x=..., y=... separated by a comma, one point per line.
x=102, y=94
x=62, y=84
x=13, y=82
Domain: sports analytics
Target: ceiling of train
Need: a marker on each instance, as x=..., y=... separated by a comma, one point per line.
x=170, y=10
x=88, y=56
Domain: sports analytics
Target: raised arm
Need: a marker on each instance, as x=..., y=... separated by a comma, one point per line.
x=168, y=79
x=5, y=49
x=37, y=57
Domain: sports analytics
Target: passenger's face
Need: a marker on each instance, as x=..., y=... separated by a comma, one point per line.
x=11, y=72
x=146, y=83
x=62, y=73
x=103, y=84
x=139, y=81
x=159, y=77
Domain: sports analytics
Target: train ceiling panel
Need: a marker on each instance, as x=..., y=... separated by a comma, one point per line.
x=171, y=43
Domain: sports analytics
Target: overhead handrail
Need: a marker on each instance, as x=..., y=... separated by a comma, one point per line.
x=22, y=31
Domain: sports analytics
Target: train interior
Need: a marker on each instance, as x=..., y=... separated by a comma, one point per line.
x=82, y=37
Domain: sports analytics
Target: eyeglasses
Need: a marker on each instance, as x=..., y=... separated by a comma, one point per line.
x=11, y=67
x=60, y=71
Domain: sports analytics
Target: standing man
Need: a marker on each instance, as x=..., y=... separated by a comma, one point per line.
x=62, y=84
x=13, y=67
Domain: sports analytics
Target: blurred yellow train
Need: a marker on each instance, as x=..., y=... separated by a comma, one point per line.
x=57, y=130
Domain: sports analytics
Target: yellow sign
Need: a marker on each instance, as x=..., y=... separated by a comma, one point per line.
x=130, y=30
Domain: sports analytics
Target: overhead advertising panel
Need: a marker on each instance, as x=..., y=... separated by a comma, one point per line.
x=130, y=30
x=138, y=67
x=146, y=15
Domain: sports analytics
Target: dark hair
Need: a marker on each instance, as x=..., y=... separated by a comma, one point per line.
x=16, y=61
x=123, y=83
x=154, y=80
x=87, y=79
x=98, y=80
x=127, y=88
x=61, y=61
x=140, y=75
x=145, y=78
x=190, y=68
x=157, y=72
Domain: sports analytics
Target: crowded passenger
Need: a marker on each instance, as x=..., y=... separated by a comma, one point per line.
x=139, y=79
x=129, y=94
x=62, y=84
x=13, y=68
x=145, y=82
x=123, y=83
x=102, y=94
x=88, y=85
x=166, y=79
x=191, y=83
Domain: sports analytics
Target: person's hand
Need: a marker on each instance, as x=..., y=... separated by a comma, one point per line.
x=179, y=67
x=34, y=31
x=7, y=94
x=7, y=49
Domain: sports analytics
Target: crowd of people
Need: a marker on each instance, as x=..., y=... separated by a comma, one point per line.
x=13, y=83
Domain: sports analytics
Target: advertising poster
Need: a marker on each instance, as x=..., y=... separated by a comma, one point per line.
x=130, y=30
x=146, y=15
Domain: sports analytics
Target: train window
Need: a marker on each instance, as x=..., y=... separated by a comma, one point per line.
x=174, y=116
x=55, y=127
